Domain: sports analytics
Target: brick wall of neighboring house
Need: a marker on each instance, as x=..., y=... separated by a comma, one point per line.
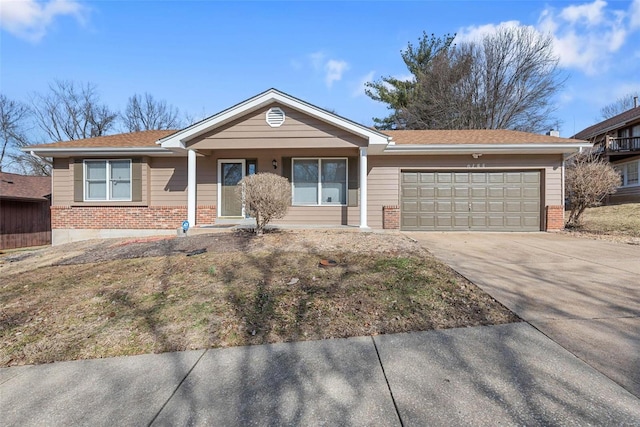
x=126, y=217
x=555, y=218
x=391, y=217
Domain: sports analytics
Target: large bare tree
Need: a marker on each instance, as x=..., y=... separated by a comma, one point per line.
x=70, y=111
x=620, y=105
x=143, y=112
x=505, y=81
x=13, y=122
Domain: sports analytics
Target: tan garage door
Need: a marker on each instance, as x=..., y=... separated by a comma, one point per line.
x=490, y=201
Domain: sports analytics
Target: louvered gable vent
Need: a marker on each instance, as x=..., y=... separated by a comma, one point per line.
x=275, y=117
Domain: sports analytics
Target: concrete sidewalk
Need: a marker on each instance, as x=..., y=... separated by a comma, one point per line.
x=582, y=293
x=508, y=374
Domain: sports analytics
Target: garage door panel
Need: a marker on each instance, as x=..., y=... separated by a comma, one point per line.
x=462, y=177
x=427, y=192
x=444, y=206
x=427, y=207
x=461, y=207
x=410, y=221
x=495, y=192
x=461, y=192
x=479, y=207
x=409, y=192
x=496, y=207
x=409, y=178
x=427, y=177
x=461, y=222
x=428, y=221
x=444, y=192
x=409, y=206
x=513, y=193
x=530, y=221
x=443, y=178
x=494, y=200
x=531, y=177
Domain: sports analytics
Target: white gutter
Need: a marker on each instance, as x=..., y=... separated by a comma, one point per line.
x=98, y=151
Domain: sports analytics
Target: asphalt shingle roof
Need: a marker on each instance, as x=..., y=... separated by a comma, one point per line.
x=612, y=123
x=14, y=186
x=145, y=138
x=475, y=136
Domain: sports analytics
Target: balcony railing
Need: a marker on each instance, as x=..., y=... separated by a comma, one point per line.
x=616, y=145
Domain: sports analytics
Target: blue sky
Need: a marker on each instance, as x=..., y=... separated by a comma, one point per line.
x=204, y=56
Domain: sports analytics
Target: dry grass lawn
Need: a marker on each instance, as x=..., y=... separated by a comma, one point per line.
x=617, y=221
x=116, y=297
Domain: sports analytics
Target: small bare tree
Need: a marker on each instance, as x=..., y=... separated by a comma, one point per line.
x=143, y=112
x=589, y=179
x=266, y=196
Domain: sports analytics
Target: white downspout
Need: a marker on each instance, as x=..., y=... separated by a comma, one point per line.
x=363, y=187
x=191, y=189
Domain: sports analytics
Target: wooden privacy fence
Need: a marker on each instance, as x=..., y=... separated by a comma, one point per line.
x=24, y=223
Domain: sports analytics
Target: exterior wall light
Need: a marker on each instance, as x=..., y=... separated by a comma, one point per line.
x=275, y=164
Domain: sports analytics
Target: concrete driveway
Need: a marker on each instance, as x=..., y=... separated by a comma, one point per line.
x=583, y=294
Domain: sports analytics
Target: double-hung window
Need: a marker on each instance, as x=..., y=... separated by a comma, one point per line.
x=628, y=173
x=319, y=181
x=107, y=180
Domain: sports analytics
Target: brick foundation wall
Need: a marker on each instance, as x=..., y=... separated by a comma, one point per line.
x=555, y=218
x=391, y=217
x=126, y=217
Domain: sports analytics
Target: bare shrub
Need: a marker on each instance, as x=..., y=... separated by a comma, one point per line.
x=266, y=196
x=589, y=179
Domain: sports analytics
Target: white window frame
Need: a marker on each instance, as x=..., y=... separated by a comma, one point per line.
x=622, y=168
x=319, y=184
x=107, y=180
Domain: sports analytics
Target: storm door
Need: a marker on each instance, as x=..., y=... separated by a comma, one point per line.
x=229, y=201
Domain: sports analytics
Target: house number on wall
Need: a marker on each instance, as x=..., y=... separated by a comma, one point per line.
x=475, y=165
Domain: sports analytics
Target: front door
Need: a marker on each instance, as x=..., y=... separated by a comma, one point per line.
x=230, y=202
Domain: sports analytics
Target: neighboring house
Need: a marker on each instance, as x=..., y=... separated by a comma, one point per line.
x=618, y=139
x=342, y=173
x=24, y=210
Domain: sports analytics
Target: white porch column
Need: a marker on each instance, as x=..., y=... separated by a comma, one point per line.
x=363, y=187
x=191, y=189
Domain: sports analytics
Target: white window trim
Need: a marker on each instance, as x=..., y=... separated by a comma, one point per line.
x=319, y=183
x=625, y=174
x=107, y=180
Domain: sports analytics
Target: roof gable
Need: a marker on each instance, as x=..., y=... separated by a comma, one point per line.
x=272, y=96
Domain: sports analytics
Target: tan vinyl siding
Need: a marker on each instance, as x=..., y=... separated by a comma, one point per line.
x=298, y=131
x=62, y=182
x=384, y=175
x=168, y=181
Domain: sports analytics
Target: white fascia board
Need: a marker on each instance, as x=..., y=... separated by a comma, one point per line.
x=94, y=151
x=180, y=138
x=443, y=149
